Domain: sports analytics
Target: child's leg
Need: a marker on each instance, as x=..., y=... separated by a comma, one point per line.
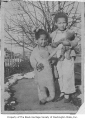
x=55, y=72
x=68, y=78
x=51, y=92
x=60, y=80
x=42, y=94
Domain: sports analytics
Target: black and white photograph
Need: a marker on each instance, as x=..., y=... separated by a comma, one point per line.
x=42, y=57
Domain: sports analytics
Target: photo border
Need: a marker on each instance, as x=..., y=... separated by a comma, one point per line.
x=2, y=72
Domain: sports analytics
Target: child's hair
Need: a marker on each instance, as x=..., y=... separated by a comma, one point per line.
x=61, y=15
x=41, y=32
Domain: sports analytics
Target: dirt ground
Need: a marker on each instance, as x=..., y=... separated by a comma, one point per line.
x=27, y=97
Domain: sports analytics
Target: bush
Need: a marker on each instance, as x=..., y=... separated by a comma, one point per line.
x=22, y=67
x=25, y=66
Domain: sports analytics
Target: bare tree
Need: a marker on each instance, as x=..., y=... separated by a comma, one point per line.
x=34, y=14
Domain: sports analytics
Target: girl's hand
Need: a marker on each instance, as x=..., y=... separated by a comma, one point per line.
x=53, y=45
x=66, y=43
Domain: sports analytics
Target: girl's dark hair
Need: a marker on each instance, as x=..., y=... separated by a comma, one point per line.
x=61, y=15
x=41, y=32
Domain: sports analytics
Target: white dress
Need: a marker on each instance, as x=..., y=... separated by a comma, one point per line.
x=65, y=68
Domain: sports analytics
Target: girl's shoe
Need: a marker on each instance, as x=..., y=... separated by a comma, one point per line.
x=42, y=103
x=66, y=100
x=60, y=98
x=53, y=100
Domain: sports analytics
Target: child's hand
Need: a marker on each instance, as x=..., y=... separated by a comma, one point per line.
x=40, y=67
x=63, y=39
x=66, y=43
x=53, y=45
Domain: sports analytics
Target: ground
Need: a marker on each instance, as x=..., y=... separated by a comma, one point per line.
x=25, y=93
x=27, y=97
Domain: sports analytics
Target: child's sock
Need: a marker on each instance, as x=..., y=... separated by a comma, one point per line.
x=66, y=100
x=62, y=93
x=66, y=96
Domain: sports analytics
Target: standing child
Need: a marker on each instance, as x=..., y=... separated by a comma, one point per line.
x=65, y=65
x=42, y=67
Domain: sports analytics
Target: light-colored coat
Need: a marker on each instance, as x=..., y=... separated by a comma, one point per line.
x=44, y=78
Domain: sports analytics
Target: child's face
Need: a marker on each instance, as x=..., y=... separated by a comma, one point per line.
x=61, y=24
x=42, y=41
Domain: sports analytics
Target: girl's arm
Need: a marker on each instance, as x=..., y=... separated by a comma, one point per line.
x=52, y=54
x=33, y=60
x=55, y=44
x=65, y=43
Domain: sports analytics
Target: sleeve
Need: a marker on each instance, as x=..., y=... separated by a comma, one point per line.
x=53, y=52
x=50, y=49
x=33, y=60
x=52, y=36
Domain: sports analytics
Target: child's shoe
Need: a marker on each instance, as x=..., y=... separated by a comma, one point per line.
x=60, y=98
x=43, y=102
x=66, y=100
x=53, y=100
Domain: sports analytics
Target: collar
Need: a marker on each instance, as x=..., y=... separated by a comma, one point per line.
x=58, y=31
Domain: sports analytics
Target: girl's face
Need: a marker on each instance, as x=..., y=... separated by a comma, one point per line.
x=42, y=41
x=61, y=24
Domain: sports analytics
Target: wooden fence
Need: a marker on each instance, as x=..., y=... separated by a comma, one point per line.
x=11, y=65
